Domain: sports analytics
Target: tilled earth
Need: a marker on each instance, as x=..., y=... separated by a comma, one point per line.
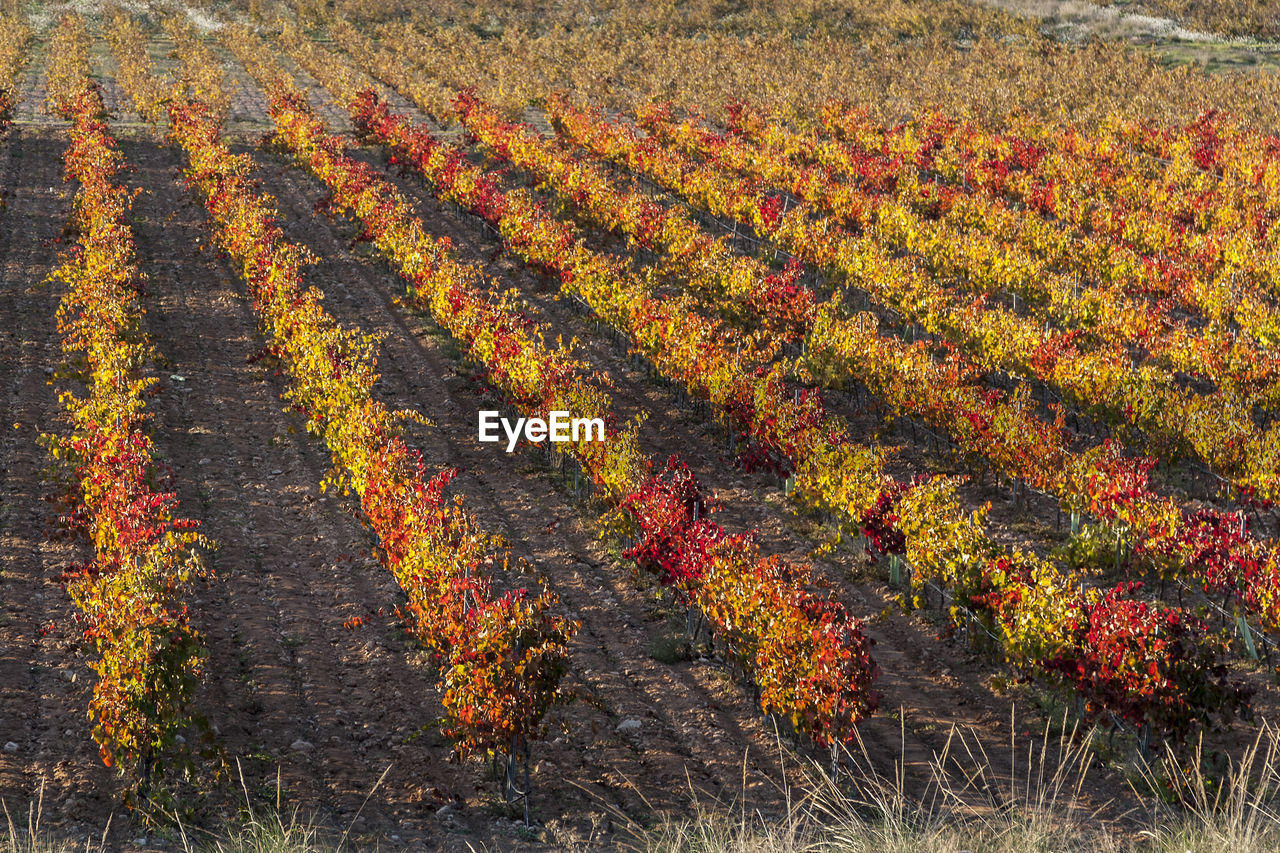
x=341, y=723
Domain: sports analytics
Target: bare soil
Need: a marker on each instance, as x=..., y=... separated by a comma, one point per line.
x=342, y=723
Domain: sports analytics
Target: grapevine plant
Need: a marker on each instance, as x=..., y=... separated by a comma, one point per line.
x=132, y=595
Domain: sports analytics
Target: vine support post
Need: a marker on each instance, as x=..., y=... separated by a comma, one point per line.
x=519, y=755
x=1246, y=636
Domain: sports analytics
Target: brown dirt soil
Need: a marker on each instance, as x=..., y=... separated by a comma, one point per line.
x=321, y=717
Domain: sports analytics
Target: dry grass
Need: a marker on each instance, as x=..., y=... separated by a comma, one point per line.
x=270, y=830
x=259, y=833
x=1037, y=808
x=26, y=836
x=1040, y=811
